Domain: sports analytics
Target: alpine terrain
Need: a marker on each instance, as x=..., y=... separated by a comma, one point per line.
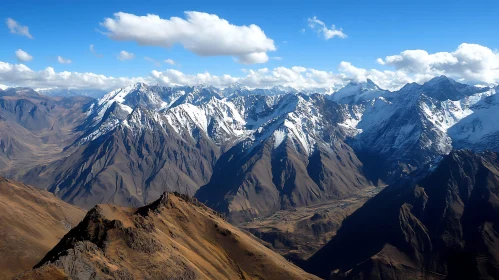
x=251, y=152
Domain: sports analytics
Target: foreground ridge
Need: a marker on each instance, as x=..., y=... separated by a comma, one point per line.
x=175, y=237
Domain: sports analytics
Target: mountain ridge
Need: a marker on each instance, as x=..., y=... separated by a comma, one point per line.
x=175, y=236
x=438, y=225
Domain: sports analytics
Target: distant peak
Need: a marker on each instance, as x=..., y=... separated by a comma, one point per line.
x=440, y=79
x=371, y=84
x=360, y=86
x=235, y=85
x=139, y=85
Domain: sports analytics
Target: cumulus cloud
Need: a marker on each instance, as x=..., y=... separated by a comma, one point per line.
x=203, y=34
x=321, y=28
x=22, y=75
x=391, y=80
x=23, y=56
x=61, y=60
x=16, y=28
x=124, y=55
x=297, y=77
x=170, y=61
x=469, y=62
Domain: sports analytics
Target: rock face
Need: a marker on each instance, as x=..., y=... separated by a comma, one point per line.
x=175, y=237
x=129, y=165
x=297, y=159
x=442, y=225
x=32, y=221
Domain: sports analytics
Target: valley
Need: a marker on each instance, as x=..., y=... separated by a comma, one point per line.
x=298, y=233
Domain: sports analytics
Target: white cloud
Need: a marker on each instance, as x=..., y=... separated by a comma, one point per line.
x=277, y=58
x=124, y=55
x=16, y=28
x=92, y=49
x=23, y=56
x=321, y=28
x=202, y=33
x=22, y=75
x=170, y=61
x=391, y=80
x=469, y=62
x=297, y=76
x=152, y=60
x=61, y=60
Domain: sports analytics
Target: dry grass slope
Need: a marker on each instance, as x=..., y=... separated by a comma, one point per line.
x=175, y=237
x=32, y=221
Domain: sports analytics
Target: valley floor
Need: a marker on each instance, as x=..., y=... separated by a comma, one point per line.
x=298, y=233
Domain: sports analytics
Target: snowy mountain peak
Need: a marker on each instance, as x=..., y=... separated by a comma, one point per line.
x=236, y=86
x=444, y=88
x=283, y=89
x=439, y=80
x=357, y=91
x=119, y=95
x=369, y=84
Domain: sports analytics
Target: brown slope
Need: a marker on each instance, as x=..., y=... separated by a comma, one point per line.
x=32, y=221
x=257, y=184
x=444, y=225
x=175, y=237
x=128, y=166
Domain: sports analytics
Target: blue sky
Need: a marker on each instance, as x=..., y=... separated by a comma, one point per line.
x=374, y=29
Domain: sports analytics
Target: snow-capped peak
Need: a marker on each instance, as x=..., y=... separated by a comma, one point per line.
x=3, y=87
x=444, y=88
x=119, y=95
x=439, y=80
x=355, y=91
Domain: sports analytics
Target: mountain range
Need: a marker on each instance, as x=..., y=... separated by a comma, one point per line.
x=245, y=152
